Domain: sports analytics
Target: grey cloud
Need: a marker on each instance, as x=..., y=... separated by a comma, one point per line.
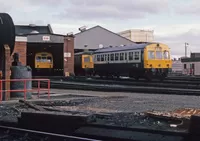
x=192, y=7
x=112, y=9
x=176, y=43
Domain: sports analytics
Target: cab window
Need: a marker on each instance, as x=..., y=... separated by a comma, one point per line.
x=151, y=55
x=158, y=55
x=166, y=55
x=38, y=59
x=49, y=59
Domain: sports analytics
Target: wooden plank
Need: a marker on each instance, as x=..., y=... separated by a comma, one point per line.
x=7, y=71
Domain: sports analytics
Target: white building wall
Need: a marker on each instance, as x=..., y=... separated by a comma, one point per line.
x=188, y=70
x=138, y=35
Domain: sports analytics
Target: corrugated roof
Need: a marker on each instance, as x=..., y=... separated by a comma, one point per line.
x=120, y=48
x=29, y=29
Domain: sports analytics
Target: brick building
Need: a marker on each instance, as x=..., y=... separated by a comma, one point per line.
x=31, y=39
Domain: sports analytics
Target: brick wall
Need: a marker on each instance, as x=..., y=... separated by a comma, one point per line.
x=20, y=47
x=68, y=55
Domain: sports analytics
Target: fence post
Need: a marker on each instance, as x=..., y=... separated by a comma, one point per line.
x=24, y=89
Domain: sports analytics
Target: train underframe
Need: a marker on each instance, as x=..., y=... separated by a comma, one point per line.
x=135, y=73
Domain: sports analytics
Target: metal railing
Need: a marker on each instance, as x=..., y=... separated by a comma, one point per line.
x=25, y=90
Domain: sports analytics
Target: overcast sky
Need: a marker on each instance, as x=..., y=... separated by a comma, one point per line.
x=174, y=21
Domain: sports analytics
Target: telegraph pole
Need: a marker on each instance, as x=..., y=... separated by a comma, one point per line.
x=186, y=44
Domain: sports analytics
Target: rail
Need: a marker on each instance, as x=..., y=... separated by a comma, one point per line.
x=25, y=90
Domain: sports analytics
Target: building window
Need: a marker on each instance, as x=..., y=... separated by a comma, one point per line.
x=130, y=55
x=108, y=57
x=121, y=56
x=112, y=57
x=105, y=57
x=136, y=55
x=116, y=56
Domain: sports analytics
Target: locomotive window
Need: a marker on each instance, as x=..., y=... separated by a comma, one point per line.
x=49, y=59
x=38, y=59
x=130, y=55
x=121, y=56
x=87, y=59
x=151, y=54
x=116, y=56
x=125, y=56
x=136, y=55
x=102, y=57
x=158, y=55
x=166, y=55
x=112, y=57
x=98, y=57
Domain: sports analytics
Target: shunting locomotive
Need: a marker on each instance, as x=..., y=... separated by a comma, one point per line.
x=84, y=63
x=147, y=60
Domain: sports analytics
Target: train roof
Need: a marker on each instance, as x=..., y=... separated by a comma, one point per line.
x=84, y=52
x=121, y=48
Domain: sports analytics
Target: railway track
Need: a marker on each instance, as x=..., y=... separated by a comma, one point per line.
x=19, y=134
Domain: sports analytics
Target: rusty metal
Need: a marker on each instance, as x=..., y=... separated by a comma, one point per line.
x=180, y=114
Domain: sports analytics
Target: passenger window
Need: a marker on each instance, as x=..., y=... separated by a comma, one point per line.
x=158, y=55
x=166, y=55
x=121, y=56
x=108, y=57
x=102, y=57
x=112, y=57
x=185, y=66
x=151, y=55
x=98, y=57
x=116, y=56
x=130, y=55
x=136, y=55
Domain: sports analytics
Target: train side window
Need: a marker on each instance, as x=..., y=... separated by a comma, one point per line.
x=136, y=55
x=185, y=66
x=125, y=56
x=130, y=55
x=112, y=57
x=151, y=55
x=102, y=57
x=116, y=56
x=98, y=58
x=121, y=56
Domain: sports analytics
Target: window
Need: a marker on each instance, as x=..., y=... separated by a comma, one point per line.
x=166, y=55
x=87, y=59
x=130, y=55
x=158, y=55
x=108, y=57
x=185, y=66
x=105, y=57
x=112, y=57
x=121, y=56
x=38, y=59
x=136, y=55
x=49, y=59
x=116, y=56
x=125, y=56
x=102, y=57
x=151, y=55
x=43, y=59
x=98, y=57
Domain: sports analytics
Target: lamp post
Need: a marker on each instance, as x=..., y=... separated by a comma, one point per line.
x=186, y=45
